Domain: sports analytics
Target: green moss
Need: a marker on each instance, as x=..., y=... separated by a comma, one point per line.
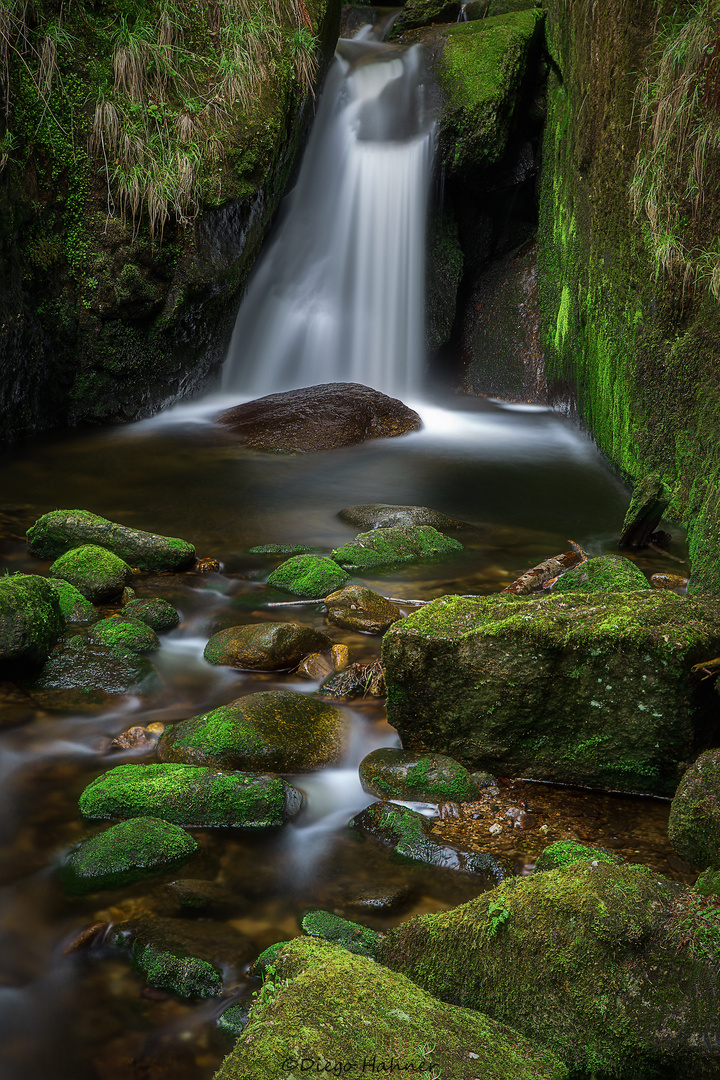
x=154, y=612
x=357, y=939
x=388, y=772
x=396, y=544
x=117, y=632
x=694, y=824
x=94, y=571
x=566, y=852
x=30, y=622
x=74, y=608
x=129, y=851
x=186, y=976
x=62, y=530
x=308, y=575
x=606, y=573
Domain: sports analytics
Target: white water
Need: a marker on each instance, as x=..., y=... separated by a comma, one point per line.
x=338, y=295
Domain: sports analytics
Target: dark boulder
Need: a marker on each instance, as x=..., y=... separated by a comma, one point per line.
x=57, y=532
x=264, y=646
x=30, y=621
x=694, y=825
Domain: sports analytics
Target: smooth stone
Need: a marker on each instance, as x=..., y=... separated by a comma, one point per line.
x=357, y=608
x=322, y=417
x=57, y=532
x=30, y=622
x=694, y=825
x=138, y=737
x=606, y=573
x=129, y=851
x=95, y=572
x=156, y=613
x=74, y=608
x=390, y=773
x=668, y=581
x=417, y=13
x=308, y=575
x=357, y=939
x=399, y=544
x=264, y=646
x=315, y=666
x=340, y=657
x=385, y=515
x=122, y=633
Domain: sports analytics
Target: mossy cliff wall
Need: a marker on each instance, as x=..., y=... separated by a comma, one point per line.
x=628, y=257
x=144, y=147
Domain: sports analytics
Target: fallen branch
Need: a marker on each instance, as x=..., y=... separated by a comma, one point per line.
x=545, y=574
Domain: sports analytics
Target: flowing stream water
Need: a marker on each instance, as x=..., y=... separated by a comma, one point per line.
x=338, y=296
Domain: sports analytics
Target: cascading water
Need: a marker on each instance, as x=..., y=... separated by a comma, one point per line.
x=338, y=295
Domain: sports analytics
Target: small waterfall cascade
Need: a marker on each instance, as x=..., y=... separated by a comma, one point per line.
x=338, y=294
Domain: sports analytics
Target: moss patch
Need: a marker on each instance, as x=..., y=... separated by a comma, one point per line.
x=357, y=939
x=94, y=571
x=606, y=573
x=308, y=575
x=400, y=774
x=129, y=634
x=396, y=544
x=30, y=622
x=126, y=852
x=61, y=530
x=154, y=612
x=694, y=825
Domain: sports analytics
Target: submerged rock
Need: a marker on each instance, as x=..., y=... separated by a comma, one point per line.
x=193, y=895
x=78, y=674
x=322, y=417
x=187, y=795
x=324, y=1005
x=576, y=689
x=95, y=572
x=264, y=646
x=308, y=575
x=74, y=608
x=390, y=773
x=398, y=544
x=606, y=573
x=58, y=532
x=124, y=634
x=694, y=825
x=156, y=613
x=282, y=731
x=358, y=608
x=126, y=852
x=30, y=622
x=384, y=515
x=357, y=939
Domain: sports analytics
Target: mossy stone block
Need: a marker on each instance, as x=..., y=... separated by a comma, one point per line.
x=587, y=690
x=606, y=573
x=308, y=575
x=357, y=608
x=188, y=795
x=128, y=851
x=61, y=530
x=265, y=646
x=156, y=613
x=357, y=939
x=390, y=773
x=565, y=852
x=694, y=825
x=95, y=572
x=74, y=608
x=30, y=622
x=396, y=544
x=124, y=634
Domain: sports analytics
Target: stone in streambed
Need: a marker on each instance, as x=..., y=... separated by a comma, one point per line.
x=358, y=608
x=694, y=825
x=315, y=666
x=78, y=674
x=264, y=646
x=606, y=573
x=281, y=731
x=308, y=575
x=398, y=544
x=95, y=572
x=123, y=634
x=357, y=939
x=74, y=608
x=322, y=417
x=192, y=796
x=390, y=773
x=156, y=613
x=61, y=530
x=384, y=515
x=126, y=852
x=30, y=622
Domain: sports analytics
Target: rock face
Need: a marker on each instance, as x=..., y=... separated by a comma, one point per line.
x=399, y=774
x=383, y=515
x=588, y=691
x=308, y=575
x=264, y=646
x=322, y=1004
x=94, y=571
x=280, y=731
x=60, y=531
x=610, y=966
x=606, y=573
x=694, y=825
x=358, y=608
x=398, y=544
x=322, y=417
x=30, y=621
x=126, y=852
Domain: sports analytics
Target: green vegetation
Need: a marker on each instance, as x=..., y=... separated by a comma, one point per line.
x=30, y=622
x=566, y=852
x=357, y=939
x=399, y=774
x=129, y=851
x=308, y=575
x=94, y=571
x=122, y=633
x=395, y=544
x=606, y=573
x=156, y=613
x=60, y=531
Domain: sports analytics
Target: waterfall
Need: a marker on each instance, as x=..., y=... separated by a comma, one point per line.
x=338, y=294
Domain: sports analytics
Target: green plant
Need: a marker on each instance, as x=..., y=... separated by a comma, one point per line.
x=499, y=915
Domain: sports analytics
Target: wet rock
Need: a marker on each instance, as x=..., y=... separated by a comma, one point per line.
x=566, y=852
x=156, y=613
x=648, y=504
x=400, y=774
x=606, y=573
x=193, y=895
x=308, y=575
x=407, y=832
x=377, y=898
x=264, y=646
x=444, y=264
x=207, y=566
x=483, y=780
x=708, y=883
x=281, y=731
x=601, y=963
x=668, y=581
x=385, y=515
x=95, y=572
x=576, y=689
x=234, y=1020
x=358, y=608
x=357, y=680
x=348, y=935
x=340, y=656
x=280, y=549
x=322, y=417
x=30, y=622
x=398, y=544
x=187, y=795
x=78, y=674
x=124, y=634
x=127, y=595
x=85, y=938
x=315, y=666
x=694, y=825
x=354, y=1010
x=138, y=738
x=418, y=13
x=58, y=532
x=129, y=851
x=74, y=608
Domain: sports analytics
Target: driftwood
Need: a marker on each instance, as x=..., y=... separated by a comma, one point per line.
x=545, y=574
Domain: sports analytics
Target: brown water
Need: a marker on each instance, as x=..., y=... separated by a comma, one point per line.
x=527, y=482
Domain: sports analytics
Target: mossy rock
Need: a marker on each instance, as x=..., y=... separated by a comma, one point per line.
x=384, y=515
x=124, y=634
x=417, y=13
x=615, y=968
x=129, y=851
x=308, y=575
x=30, y=622
x=358, y=608
x=357, y=939
x=346, y=1013
x=694, y=825
x=397, y=544
x=606, y=573
x=195, y=895
x=61, y=530
x=276, y=730
x=408, y=834
x=188, y=795
x=566, y=852
x=586, y=690
x=390, y=773
x=78, y=674
x=708, y=883
x=74, y=608
x=234, y=1020
x=154, y=612
x=95, y=572
x=264, y=646
x=280, y=549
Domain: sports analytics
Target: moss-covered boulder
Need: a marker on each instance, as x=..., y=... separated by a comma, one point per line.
x=30, y=621
x=78, y=675
x=74, y=608
x=340, y=1012
x=280, y=731
x=384, y=515
x=357, y=939
x=408, y=834
x=61, y=530
x=126, y=852
x=264, y=646
x=581, y=690
x=615, y=968
x=154, y=612
x=416, y=13
x=308, y=575
x=606, y=573
x=396, y=544
x=566, y=852
x=125, y=634
x=694, y=825
x=94, y=571
x=358, y=608
x=390, y=773
x=188, y=795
